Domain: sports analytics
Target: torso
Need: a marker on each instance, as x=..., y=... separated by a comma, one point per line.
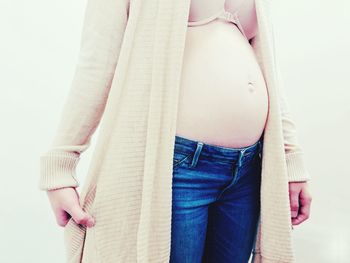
x=223, y=96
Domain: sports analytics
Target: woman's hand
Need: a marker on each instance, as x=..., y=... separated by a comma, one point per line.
x=300, y=201
x=65, y=204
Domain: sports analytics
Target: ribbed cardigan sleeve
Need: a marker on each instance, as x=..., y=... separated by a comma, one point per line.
x=101, y=39
x=296, y=168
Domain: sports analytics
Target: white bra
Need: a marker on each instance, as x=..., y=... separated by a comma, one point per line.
x=240, y=12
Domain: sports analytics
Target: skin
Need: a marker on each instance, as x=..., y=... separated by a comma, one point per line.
x=300, y=201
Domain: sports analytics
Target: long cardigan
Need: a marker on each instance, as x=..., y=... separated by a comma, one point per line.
x=128, y=78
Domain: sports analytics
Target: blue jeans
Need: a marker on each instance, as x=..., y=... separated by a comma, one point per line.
x=215, y=202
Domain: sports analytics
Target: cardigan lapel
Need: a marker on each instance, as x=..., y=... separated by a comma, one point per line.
x=277, y=246
x=170, y=26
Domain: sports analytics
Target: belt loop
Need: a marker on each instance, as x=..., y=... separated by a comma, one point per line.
x=241, y=154
x=196, y=154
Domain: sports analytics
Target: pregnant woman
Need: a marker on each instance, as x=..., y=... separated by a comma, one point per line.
x=197, y=159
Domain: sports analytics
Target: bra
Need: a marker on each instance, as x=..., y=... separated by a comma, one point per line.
x=240, y=12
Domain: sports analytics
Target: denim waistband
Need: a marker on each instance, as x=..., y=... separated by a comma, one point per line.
x=215, y=152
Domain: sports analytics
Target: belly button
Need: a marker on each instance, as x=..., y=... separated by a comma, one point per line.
x=251, y=86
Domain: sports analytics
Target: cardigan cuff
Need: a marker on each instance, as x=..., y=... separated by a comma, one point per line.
x=58, y=170
x=296, y=169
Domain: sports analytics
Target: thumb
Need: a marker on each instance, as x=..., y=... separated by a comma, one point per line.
x=80, y=216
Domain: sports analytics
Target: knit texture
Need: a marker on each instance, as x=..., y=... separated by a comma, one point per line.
x=127, y=80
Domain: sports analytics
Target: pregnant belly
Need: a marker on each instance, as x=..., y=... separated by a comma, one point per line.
x=223, y=97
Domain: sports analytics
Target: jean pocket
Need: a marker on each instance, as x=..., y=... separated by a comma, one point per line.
x=180, y=158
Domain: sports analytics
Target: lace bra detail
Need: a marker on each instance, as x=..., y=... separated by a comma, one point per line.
x=245, y=11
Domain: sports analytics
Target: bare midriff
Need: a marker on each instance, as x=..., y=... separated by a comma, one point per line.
x=223, y=96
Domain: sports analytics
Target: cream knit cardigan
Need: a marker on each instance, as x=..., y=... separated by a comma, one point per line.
x=128, y=78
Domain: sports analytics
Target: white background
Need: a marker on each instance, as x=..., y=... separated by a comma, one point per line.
x=39, y=47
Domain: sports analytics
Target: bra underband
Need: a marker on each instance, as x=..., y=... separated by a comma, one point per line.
x=222, y=14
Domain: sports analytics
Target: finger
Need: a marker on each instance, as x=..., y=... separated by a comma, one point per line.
x=80, y=216
x=294, y=203
x=303, y=215
x=305, y=202
x=305, y=196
